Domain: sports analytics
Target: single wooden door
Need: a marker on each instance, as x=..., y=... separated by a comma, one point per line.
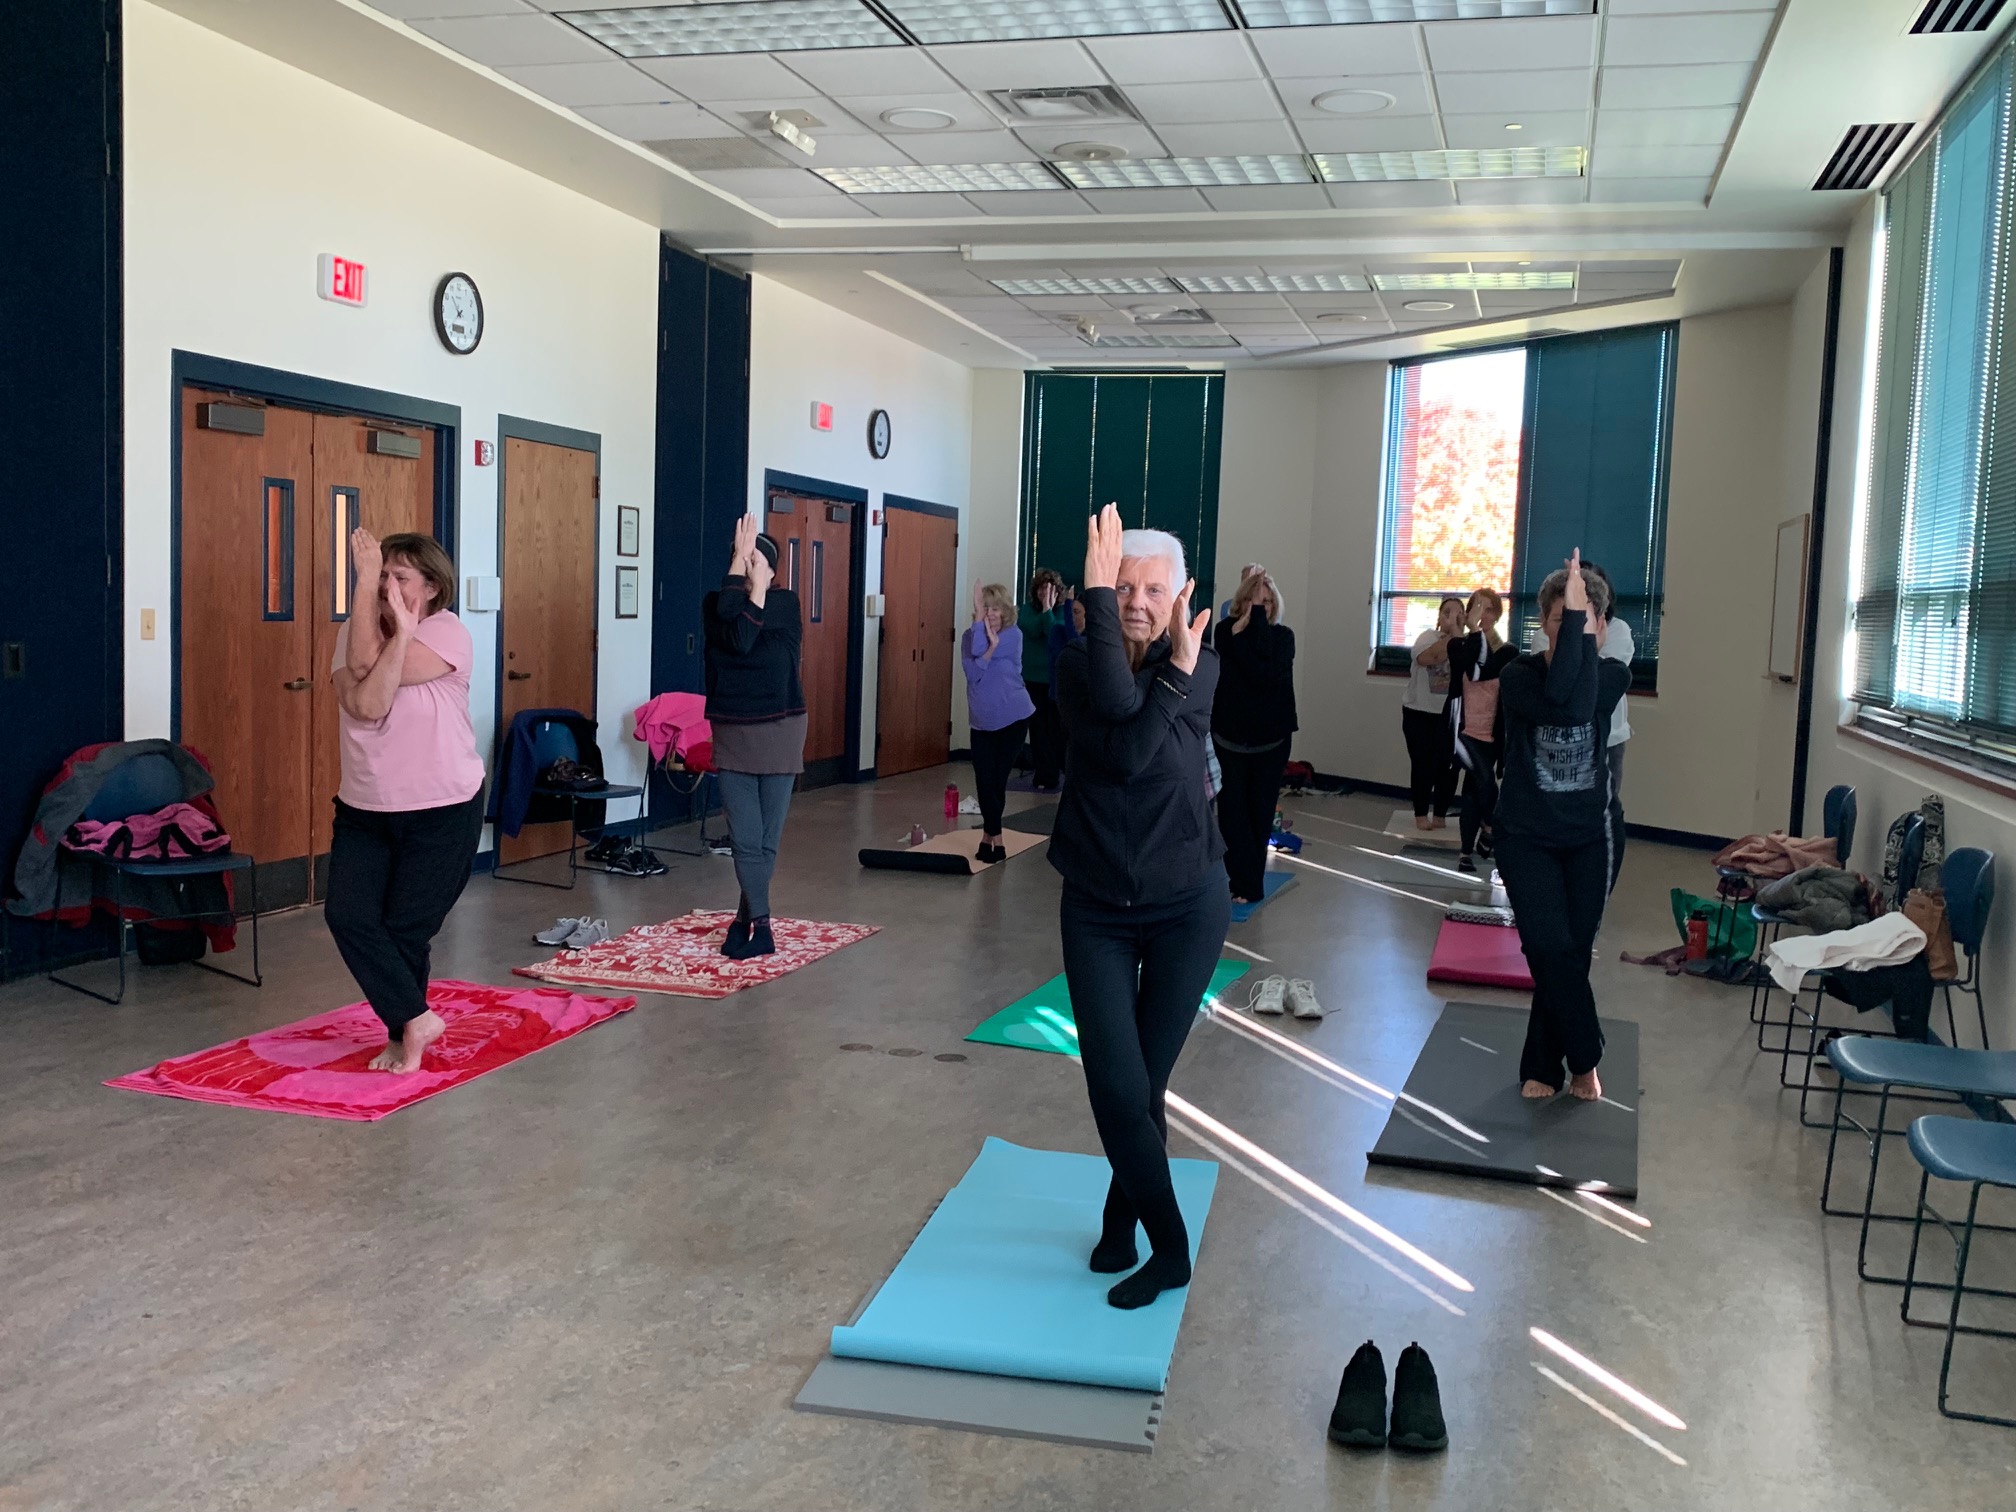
x=920, y=645
x=816, y=539
x=386, y=494
x=245, y=626
x=547, y=636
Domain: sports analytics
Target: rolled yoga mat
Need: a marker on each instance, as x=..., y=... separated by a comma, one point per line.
x=1043, y=1021
x=997, y=1281
x=1484, y=955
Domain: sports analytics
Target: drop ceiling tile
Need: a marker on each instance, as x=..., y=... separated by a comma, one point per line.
x=753, y=114
x=919, y=206
x=1230, y=139
x=966, y=147
x=516, y=39
x=1309, y=52
x=1031, y=202
x=1235, y=305
x=1504, y=302
x=1240, y=328
x=1520, y=192
x=1648, y=191
x=1537, y=128
x=1018, y=65
x=1721, y=37
x=1183, y=104
x=845, y=152
x=730, y=76
x=590, y=83
x=1664, y=128
x=1409, y=92
x=771, y=183
x=650, y=123
x=1499, y=44
x=1387, y=196
x=1174, y=58
x=870, y=70
x=1663, y=88
x=406, y=10
x=1380, y=133
x=1655, y=162
x=1268, y=197
x=1315, y=304
x=838, y=208
x=1541, y=89
x=1144, y=201
x=967, y=111
x=1066, y=304
x=701, y=128
x=1135, y=141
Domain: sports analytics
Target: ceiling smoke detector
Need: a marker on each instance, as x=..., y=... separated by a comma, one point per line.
x=1089, y=152
x=1353, y=101
x=1091, y=102
x=918, y=118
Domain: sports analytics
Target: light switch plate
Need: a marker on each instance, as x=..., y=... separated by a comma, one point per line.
x=872, y=606
x=484, y=595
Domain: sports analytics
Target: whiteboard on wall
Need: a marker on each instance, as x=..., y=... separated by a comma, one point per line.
x=1788, y=600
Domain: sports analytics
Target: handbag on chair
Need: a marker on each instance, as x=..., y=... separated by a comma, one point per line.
x=1926, y=907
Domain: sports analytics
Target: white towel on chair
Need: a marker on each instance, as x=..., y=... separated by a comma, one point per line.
x=1889, y=941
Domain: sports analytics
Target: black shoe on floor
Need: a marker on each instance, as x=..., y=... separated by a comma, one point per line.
x=1466, y=865
x=760, y=941
x=605, y=850
x=1417, y=1403
x=643, y=861
x=736, y=946
x=1359, y=1418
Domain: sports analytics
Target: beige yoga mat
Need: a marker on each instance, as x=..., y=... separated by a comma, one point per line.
x=952, y=847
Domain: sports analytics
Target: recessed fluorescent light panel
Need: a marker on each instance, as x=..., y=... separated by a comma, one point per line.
x=737, y=26
x=1271, y=283
x=932, y=21
x=1164, y=339
x=1403, y=281
x=1347, y=12
x=1490, y=163
x=1023, y=287
x=1182, y=172
x=940, y=178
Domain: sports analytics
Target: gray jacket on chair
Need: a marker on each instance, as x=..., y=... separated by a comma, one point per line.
x=1818, y=897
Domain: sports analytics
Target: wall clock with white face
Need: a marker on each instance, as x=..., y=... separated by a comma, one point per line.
x=878, y=434
x=458, y=313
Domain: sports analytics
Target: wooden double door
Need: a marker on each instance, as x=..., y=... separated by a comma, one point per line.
x=815, y=538
x=913, y=718
x=269, y=497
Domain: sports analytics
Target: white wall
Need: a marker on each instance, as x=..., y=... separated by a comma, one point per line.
x=993, y=536
x=802, y=350
x=239, y=171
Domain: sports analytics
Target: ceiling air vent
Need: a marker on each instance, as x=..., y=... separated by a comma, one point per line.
x=1862, y=153
x=1151, y=315
x=1943, y=16
x=1056, y=107
x=716, y=154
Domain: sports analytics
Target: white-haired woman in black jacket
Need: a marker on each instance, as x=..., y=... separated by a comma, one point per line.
x=1145, y=904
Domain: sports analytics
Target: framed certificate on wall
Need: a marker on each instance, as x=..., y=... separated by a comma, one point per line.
x=626, y=593
x=629, y=525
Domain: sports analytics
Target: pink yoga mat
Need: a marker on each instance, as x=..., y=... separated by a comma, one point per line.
x=317, y=1067
x=1485, y=954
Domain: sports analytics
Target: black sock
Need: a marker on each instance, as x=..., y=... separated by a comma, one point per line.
x=1168, y=1265
x=1116, y=1250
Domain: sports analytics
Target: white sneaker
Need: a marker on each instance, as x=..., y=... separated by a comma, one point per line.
x=1267, y=995
x=591, y=932
x=557, y=935
x=1302, y=1000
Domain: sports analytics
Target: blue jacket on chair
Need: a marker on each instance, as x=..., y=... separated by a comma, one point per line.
x=513, y=804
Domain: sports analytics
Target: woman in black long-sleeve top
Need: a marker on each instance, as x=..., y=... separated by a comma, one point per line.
x=1554, y=823
x=1475, y=660
x=1145, y=905
x=1252, y=718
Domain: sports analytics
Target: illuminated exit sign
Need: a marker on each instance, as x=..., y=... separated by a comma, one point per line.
x=340, y=280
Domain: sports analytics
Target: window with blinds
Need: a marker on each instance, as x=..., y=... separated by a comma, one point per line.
x=1935, y=604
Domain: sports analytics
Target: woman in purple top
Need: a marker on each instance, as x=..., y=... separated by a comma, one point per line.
x=998, y=707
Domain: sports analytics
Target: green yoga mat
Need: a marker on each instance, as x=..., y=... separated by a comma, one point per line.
x=1042, y=1020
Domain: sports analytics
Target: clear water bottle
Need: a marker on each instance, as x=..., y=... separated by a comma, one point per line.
x=951, y=800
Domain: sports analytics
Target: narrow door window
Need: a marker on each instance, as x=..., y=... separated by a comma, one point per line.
x=278, y=559
x=343, y=518
x=818, y=581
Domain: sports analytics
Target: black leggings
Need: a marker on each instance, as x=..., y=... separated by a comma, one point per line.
x=392, y=879
x=1431, y=761
x=993, y=758
x=1557, y=895
x=1137, y=976
x=1046, y=736
x=1252, y=786
x=1480, y=788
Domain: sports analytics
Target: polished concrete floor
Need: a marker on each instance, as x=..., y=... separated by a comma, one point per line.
x=597, y=1278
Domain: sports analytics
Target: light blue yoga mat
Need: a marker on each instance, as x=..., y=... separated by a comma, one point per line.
x=997, y=1282
x=1270, y=883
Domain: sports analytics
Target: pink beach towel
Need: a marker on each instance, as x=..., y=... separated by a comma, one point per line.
x=317, y=1067
x=1485, y=954
x=683, y=956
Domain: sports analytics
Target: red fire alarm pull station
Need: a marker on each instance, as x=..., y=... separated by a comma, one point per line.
x=340, y=280
x=486, y=453
x=822, y=416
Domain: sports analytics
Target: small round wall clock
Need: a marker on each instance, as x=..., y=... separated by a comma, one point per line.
x=878, y=434
x=458, y=313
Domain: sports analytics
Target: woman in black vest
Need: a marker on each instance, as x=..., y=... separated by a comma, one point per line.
x=1252, y=718
x=756, y=705
x=1145, y=904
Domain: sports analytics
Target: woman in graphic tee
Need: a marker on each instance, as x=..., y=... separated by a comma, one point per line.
x=409, y=810
x=1424, y=718
x=1475, y=660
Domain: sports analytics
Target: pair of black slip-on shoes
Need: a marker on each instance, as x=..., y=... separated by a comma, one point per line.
x=1360, y=1421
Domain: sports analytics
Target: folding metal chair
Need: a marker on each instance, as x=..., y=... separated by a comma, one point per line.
x=1976, y=1155
x=553, y=741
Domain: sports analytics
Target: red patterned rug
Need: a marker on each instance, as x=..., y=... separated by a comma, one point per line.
x=683, y=956
x=318, y=1066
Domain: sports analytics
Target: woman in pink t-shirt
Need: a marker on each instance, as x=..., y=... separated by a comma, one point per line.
x=410, y=807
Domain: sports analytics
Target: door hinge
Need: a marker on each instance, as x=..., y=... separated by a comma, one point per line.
x=598, y=486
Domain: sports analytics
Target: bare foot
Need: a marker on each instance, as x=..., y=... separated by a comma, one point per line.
x=389, y=1057
x=1588, y=1086
x=1537, y=1090
x=1421, y=822
x=1438, y=822
x=418, y=1035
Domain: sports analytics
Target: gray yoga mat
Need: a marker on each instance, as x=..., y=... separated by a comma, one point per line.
x=1096, y=1417
x=1468, y=1075
x=1032, y=821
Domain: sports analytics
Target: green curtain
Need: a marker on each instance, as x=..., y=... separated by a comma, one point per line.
x=1146, y=442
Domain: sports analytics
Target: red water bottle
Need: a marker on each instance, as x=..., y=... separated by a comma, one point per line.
x=1697, y=937
x=951, y=800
